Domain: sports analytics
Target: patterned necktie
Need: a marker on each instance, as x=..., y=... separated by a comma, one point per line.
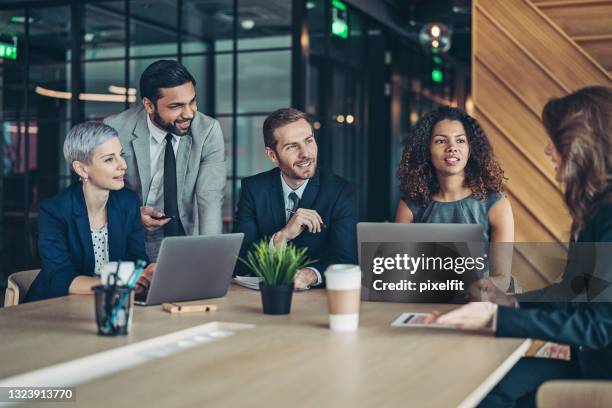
x=296, y=202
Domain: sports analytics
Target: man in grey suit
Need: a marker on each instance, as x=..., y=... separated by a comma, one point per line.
x=175, y=156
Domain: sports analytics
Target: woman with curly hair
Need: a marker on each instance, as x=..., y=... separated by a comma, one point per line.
x=448, y=174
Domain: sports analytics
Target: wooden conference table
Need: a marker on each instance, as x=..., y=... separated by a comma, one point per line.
x=292, y=360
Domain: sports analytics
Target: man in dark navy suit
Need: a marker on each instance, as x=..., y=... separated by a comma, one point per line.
x=296, y=201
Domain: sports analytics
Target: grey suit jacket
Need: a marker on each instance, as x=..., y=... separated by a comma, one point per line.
x=200, y=167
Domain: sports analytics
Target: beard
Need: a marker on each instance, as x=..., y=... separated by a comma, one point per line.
x=169, y=127
x=298, y=174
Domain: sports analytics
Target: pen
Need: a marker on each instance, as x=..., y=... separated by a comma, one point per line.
x=110, y=322
x=293, y=212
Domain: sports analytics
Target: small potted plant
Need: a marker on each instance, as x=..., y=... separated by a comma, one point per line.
x=277, y=267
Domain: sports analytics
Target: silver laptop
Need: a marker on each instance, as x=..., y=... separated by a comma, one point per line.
x=192, y=268
x=389, y=239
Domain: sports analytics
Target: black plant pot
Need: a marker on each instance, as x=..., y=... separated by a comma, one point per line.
x=276, y=300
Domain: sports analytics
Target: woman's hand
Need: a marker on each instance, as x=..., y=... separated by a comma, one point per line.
x=559, y=351
x=473, y=316
x=485, y=290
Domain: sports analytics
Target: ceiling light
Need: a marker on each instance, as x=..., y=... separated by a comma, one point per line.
x=105, y=97
x=119, y=90
x=414, y=118
x=247, y=24
x=435, y=37
x=21, y=19
x=21, y=129
x=84, y=96
x=469, y=105
x=435, y=30
x=52, y=94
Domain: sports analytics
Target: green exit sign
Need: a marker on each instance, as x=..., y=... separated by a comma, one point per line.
x=8, y=46
x=8, y=51
x=340, y=26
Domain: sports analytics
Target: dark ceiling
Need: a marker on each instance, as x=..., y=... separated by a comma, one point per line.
x=155, y=21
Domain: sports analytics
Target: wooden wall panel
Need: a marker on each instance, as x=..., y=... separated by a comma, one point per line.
x=580, y=18
x=570, y=65
x=542, y=198
x=512, y=65
x=600, y=49
x=526, y=275
x=514, y=121
x=537, y=265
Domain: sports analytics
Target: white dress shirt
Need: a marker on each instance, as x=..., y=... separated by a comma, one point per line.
x=157, y=144
x=288, y=206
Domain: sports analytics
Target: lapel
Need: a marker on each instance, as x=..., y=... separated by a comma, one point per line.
x=277, y=201
x=182, y=162
x=311, y=191
x=142, y=151
x=79, y=210
x=115, y=228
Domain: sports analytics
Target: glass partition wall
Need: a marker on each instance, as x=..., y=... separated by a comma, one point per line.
x=82, y=60
x=75, y=60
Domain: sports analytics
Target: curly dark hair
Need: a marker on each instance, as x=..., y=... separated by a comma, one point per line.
x=417, y=176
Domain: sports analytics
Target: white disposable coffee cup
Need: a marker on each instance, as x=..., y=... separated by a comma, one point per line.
x=343, y=296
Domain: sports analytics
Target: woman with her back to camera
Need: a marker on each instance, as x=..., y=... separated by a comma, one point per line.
x=580, y=129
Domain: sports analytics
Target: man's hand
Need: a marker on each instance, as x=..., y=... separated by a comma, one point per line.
x=148, y=222
x=302, y=218
x=473, y=316
x=304, y=278
x=144, y=282
x=559, y=351
x=484, y=290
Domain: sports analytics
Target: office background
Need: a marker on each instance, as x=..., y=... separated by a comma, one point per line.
x=356, y=66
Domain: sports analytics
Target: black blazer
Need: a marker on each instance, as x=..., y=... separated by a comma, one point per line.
x=64, y=238
x=261, y=213
x=587, y=327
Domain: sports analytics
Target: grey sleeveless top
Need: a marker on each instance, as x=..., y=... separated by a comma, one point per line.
x=466, y=211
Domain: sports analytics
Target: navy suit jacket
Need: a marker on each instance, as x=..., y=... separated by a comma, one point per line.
x=261, y=213
x=587, y=327
x=64, y=238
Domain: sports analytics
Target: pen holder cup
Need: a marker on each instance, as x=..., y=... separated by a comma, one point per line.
x=114, y=306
